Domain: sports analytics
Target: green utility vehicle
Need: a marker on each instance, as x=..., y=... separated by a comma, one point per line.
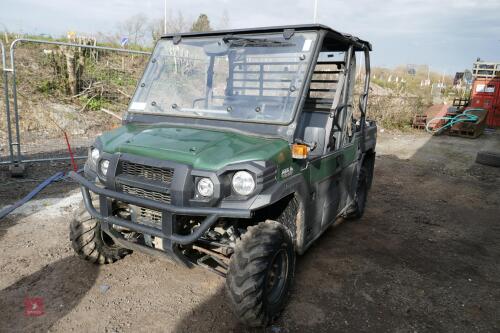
x=238, y=150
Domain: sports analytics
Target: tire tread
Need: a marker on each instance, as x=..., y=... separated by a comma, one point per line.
x=247, y=271
x=86, y=240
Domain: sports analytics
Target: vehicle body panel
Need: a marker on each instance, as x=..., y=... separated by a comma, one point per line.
x=200, y=148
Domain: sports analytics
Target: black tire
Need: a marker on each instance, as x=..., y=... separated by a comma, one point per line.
x=488, y=158
x=90, y=242
x=358, y=207
x=260, y=273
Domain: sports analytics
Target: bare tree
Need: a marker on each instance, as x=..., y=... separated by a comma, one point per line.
x=155, y=29
x=135, y=28
x=174, y=24
x=178, y=24
x=108, y=37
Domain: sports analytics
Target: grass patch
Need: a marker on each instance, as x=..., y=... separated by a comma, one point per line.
x=94, y=103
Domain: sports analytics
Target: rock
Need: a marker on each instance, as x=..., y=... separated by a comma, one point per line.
x=366, y=296
x=104, y=288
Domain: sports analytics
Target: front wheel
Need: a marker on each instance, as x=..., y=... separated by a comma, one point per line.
x=260, y=273
x=90, y=242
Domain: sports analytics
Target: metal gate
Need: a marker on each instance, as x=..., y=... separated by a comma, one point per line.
x=62, y=90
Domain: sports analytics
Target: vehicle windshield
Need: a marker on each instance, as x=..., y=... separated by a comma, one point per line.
x=254, y=78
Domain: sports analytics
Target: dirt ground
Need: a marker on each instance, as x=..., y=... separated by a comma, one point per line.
x=424, y=258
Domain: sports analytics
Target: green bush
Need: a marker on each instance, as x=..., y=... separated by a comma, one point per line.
x=93, y=103
x=395, y=112
x=47, y=87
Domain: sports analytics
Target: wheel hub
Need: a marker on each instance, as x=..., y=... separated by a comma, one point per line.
x=277, y=276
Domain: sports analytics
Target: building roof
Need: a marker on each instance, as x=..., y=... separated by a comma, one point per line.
x=341, y=37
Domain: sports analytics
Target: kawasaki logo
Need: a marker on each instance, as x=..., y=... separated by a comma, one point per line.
x=286, y=172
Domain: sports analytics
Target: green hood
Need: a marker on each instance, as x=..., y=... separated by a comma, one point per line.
x=201, y=148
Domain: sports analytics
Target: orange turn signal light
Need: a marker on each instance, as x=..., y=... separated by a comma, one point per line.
x=300, y=151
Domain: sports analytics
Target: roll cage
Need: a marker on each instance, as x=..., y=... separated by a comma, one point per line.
x=314, y=106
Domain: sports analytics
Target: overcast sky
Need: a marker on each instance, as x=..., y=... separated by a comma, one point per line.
x=447, y=34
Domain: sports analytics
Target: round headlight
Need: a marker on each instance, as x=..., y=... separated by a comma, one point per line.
x=94, y=155
x=104, y=167
x=205, y=187
x=243, y=183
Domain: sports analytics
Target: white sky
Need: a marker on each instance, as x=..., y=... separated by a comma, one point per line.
x=447, y=34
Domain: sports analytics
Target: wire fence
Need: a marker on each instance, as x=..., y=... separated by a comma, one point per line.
x=60, y=88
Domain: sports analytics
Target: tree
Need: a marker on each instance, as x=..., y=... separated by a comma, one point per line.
x=177, y=24
x=135, y=28
x=201, y=24
x=174, y=24
x=108, y=37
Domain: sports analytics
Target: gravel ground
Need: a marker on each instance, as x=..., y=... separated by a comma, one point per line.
x=424, y=258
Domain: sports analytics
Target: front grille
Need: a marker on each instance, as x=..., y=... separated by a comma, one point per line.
x=148, y=172
x=147, y=194
x=149, y=216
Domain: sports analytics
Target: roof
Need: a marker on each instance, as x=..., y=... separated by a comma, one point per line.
x=341, y=37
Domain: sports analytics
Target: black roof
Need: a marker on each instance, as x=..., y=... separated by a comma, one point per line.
x=341, y=37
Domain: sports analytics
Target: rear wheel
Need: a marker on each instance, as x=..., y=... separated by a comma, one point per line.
x=358, y=207
x=90, y=242
x=261, y=273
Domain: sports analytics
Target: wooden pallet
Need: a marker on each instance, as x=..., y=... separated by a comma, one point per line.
x=419, y=121
x=471, y=133
x=468, y=130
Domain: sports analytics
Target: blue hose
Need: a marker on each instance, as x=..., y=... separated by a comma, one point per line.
x=450, y=121
x=6, y=211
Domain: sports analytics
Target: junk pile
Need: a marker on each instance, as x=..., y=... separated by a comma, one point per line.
x=456, y=120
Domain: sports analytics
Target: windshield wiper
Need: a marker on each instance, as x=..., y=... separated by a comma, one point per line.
x=233, y=41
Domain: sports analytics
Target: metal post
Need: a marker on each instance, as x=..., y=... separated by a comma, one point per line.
x=165, y=17
x=366, y=89
x=16, y=111
x=315, y=19
x=345, y=94
x=7, y=102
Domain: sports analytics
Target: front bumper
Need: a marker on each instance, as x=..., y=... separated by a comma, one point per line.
x=167, y=230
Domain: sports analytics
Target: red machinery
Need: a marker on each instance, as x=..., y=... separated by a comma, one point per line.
x=486, y=95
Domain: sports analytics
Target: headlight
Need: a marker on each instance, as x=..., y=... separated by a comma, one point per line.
x=104, y=167
x=243, y=183
x=205, y=187
x=94, y=155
